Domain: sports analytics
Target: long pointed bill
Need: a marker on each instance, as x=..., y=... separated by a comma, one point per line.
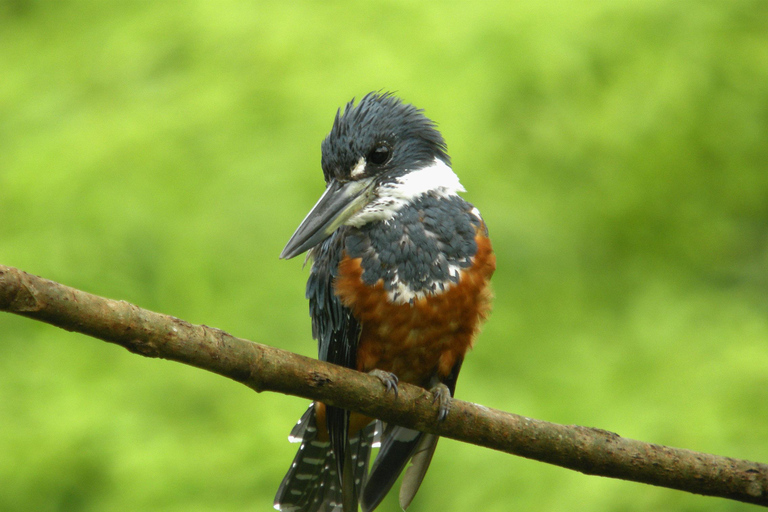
x=339, y=202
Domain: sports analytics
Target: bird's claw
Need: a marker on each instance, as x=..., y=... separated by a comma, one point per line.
x=389, y=379
x=442, y=395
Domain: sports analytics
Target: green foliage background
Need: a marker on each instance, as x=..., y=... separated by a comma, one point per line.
x=163, y=153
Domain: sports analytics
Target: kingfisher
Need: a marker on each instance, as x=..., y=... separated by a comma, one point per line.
x=398, y=287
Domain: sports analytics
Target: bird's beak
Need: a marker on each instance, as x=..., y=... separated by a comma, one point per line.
x=339, y=202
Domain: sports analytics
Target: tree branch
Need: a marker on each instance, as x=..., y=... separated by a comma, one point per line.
x=263, y=368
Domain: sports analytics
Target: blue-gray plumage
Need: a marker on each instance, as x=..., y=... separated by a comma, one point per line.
x=423, y=242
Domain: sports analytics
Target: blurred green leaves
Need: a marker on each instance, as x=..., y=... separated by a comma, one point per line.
x=162, y=153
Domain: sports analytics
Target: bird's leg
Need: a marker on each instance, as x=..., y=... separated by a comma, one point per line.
x=389, y=379
x=442, y=395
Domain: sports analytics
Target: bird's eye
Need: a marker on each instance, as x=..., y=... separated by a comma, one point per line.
x=380, y=154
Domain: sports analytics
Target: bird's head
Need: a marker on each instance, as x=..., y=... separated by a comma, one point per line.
x=379, y=155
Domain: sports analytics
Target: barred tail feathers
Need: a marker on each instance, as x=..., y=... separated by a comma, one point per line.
x=312, y=483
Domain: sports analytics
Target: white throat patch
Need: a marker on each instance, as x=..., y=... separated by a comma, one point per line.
x=436, y=178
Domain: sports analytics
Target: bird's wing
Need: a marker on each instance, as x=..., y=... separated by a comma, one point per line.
x=335, y=328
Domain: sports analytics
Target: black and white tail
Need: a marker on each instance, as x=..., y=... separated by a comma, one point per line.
x=312, y=483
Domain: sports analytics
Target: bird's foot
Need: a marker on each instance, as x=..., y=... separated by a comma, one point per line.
x=389, y=379
x=442, y=395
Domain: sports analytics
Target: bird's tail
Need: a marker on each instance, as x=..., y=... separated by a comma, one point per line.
x=398, y=446
x=312, y=483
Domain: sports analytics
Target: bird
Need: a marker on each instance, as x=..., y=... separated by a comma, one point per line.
x=398, y=287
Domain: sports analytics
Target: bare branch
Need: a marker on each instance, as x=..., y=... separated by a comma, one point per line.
x=263, y=368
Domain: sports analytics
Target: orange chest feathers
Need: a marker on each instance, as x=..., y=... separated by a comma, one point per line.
x=425, y=337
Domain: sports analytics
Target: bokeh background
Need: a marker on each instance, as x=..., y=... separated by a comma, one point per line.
x=163, y=152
